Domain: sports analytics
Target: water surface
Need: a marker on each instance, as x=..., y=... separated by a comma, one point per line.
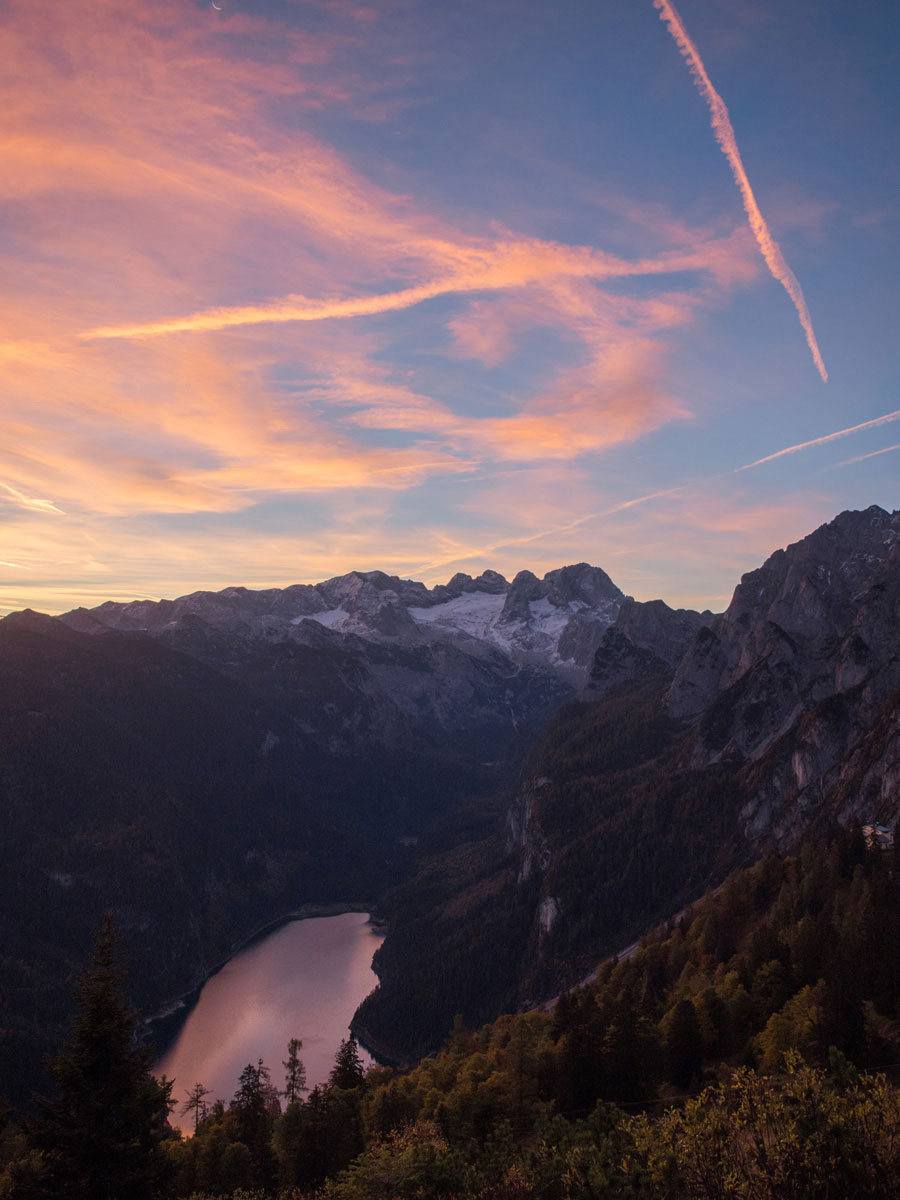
x=303, y=980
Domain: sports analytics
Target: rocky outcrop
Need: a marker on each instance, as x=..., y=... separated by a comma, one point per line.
x=799, y=673
x=524, y=838
x=779, y=717
x=560, y=618
x=818, y=616
x=645, y=639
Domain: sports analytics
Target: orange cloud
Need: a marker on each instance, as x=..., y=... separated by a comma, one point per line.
x=32, y=502
x=147, y=174
x=193, y=437
x=497, y=267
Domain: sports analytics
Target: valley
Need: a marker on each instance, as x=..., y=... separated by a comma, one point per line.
x=520, y=777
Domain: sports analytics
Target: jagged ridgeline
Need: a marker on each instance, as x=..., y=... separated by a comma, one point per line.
x=712, y=739
x=201, y=766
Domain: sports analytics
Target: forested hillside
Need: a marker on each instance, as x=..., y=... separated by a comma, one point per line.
x=611, y=830
x=779, y=995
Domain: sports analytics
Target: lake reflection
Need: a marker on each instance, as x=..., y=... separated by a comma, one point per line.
x=304, y=980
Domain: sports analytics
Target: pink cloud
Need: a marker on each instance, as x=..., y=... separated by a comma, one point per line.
x=151, y=190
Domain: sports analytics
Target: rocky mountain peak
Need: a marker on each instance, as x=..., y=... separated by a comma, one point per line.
x=525, y=588
x=799, y=671
x=581, y=584
x=816, y=580
x=646, y=638
x=554, y=623
x=491, y=582
x=36, y=622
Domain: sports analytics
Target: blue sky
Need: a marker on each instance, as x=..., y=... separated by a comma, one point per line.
x=299, y=288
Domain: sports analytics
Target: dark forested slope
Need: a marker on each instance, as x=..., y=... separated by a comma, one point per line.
x=740, y=1050
x=192, y=804
x=610, y=831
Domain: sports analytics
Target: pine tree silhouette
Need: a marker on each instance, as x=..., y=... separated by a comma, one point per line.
x=100, y=1137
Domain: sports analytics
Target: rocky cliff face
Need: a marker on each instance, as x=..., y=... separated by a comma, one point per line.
x=796, y=676
x=707, y=740
x=794, y=689
x=814, y=620
x=645, y=639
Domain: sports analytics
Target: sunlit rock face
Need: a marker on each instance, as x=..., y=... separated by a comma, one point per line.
x=818, y=616
x=817, y=619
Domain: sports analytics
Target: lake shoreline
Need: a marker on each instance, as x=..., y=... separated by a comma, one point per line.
x=300, y=976
x=162, y=1027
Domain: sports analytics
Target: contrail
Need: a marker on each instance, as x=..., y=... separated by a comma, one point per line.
x=681, y=487
x=480, y=551
x=862, y=457
x=292, y=309
x=722, y=127
x=820, y=441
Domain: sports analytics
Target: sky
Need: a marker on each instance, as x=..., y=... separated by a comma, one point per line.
x=298, y=287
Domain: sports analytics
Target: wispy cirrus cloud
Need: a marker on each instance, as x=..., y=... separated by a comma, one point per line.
x=30, y=502
x=490, y=267
x=146, y=423
x=221, y=319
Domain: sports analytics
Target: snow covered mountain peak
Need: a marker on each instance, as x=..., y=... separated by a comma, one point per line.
x=556, y=621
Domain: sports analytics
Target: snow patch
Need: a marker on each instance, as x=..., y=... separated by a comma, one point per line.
x=331, y=618
x=472, y=613
x=549, y=619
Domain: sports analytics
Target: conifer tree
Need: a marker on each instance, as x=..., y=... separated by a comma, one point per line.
x=683, y=1044
x=252, y=1114
x=295, y=1072
x=101, y=1137
x=348, y=1070
x=196, y=1104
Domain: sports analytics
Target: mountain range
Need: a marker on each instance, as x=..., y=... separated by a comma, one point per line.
x=524, y=775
